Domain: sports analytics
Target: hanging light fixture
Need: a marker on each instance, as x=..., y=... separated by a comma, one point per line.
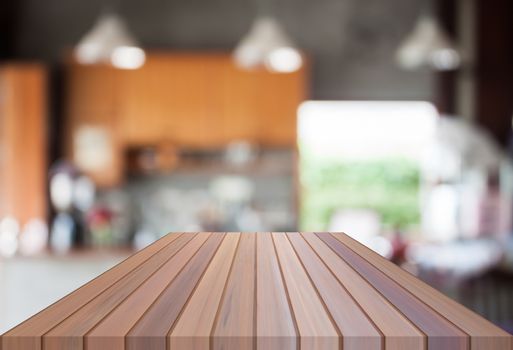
x=109, y=41
x=268, y=45
x=428, y=45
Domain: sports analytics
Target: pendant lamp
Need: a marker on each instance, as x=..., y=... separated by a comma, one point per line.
x=428, y=45
x=268, y=45
x=109, y=41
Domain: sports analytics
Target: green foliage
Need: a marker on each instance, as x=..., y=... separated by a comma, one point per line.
x=388, y=186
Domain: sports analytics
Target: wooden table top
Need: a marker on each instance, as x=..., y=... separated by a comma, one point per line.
x=268, y=291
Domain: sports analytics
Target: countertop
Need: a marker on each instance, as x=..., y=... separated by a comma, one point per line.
x=272, y=291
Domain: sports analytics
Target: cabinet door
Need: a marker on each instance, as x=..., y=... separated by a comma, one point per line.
x=278, y=97
x=165, y=100
x=140, y=104
x=184, y=107
x=260, y=106
x=239, y=120
x=93, y=139
x=91, y=89
x=23, y=143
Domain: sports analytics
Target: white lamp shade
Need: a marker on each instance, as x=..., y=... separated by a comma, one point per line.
x=267, y=44
x=428, y=45
x=109, y=41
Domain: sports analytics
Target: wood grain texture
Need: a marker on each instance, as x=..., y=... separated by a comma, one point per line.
x=151, y=330
x=113, y=328
x=399, y=332
x=358, y=331
x=315, y=325
x=193, y=329
x=234, y=325
x=70, y=332
x=276, y=329
x=237, y=291
x=483, y=334
x=442, y=335
x=28, y=335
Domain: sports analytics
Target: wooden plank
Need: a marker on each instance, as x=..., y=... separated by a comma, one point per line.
x=234, y=324
x=315, y=327
x=193, y=328
x=442, y=335
x=110, y=332
x=399, y=332
x=69, y=333
x=151, y=331
x=484, y=335
x=28, y=334
x=358, y=332
x=276, y=328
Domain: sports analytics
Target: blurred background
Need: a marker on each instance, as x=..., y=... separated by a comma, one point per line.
x=121, y=121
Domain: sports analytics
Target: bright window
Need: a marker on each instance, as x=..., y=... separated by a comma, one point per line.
x=359, y=163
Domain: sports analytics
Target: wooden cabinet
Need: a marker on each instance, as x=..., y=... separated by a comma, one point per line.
x=238, y=117
x=23, y=161
x=93, y=140
x=276, y=107
x=92, y=89
x=257, y=106
x=191, y=100
x=165, y=100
